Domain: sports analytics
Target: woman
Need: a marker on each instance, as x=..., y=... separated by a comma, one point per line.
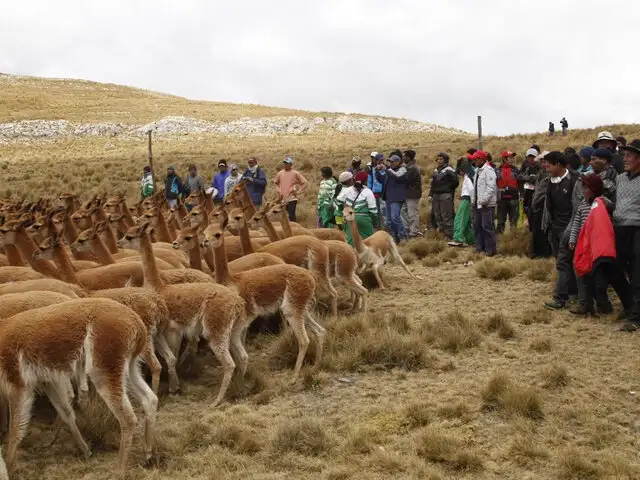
x=325, y=198
x=361, y=199
x=462, y=227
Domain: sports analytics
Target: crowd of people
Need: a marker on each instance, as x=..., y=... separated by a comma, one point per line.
x=560, y=195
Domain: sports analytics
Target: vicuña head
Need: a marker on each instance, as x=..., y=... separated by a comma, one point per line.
x=214, y=234
x=131, y=239
x=348, y=214
x=187, y=239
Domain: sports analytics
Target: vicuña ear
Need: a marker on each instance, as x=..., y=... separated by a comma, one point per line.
x=225, y=222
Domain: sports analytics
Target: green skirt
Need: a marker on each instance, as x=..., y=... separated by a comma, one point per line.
x=325, y=215
x=365, y=227
x=462, y=228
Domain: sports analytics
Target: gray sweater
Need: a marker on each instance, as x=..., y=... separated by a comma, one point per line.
x=627, y=212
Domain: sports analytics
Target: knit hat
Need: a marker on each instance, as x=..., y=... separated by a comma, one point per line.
x=587, y=152
x=222, y=163
x=345, y=177
x=603, y=153
x=233, y=166
x=356, y=161
x=593, y=183
x=604, y=137
x=532, y=152
x=147, y=169
x=361, y=176
x=171, y=167
x=395, y=158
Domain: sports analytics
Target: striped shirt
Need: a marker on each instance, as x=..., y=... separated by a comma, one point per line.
x=579, y=219
x=363, y=202
x=326, y=191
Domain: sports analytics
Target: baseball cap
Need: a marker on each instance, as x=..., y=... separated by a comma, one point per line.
x=507, y=154
x=481, y=154
x=532, y=152
x=379, y=156
x=222, y=163
x=288, y=160
x=395, y=158
x=171, y=167
x=374, y=154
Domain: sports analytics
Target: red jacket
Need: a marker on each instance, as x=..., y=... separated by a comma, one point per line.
x=596, y=239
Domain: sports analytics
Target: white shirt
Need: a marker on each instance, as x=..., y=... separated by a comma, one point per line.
x=467, y=187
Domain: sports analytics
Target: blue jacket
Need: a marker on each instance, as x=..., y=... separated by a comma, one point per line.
x=395, y=187
x=218, y=184
x=257, y=184
x=374, y=185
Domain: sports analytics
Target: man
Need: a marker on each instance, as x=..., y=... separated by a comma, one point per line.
x=606, y=140
x=256, y=181
x=540, y=247
x=218, y=181
x=485, y=196
x=194, y=183
x=290, y=185
x=443, y=187
x=173, y=187
x=356, y=166
x=585, y=161
x=565, y=126
x=146, y=184
x=552, y=129
x=622, y=142
x=232, y=180
x=559, y=208
x=508, y=193
x=394, y=194
x=376, y=186
x=527, y=179
x=626, y=224
x=410, y=213
x=601, y=159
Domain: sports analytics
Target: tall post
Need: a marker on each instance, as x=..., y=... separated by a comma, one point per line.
x=479, y=132
x=153, y=174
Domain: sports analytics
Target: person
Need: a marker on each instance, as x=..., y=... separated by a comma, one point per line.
x=146, y=183
x=356, y=166
x=218, y=181
x=601, y=159
x=606, y=140
x=626, y=225
x=622, y=142
x=585, y=161
x=232, y=180
x=193, y=183
x=376, y=186
x=256, y=181
x=540, y=247
x=173, y=187
x=326, y=193
x=536, y=148
x=527, y=178
x=361, y=199
x=290, y=184
x=345, y=180
x=410, y=212
x=593, y=241
x=462, y=226
x=394, y=194
x=552, y=129
x=558, y=211
x=565, y=126
x=508, y=193
x=485, y=197
x=443, y=186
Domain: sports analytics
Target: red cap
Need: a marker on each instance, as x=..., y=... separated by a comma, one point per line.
x=361, y=176
x=507, y=154
x=480, y=154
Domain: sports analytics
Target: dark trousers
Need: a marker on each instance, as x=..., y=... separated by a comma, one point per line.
x=291, y=210
x=508, y=207
x=566, y=285
x=628, y=261
x=442, y=207
x=527, y=198
x=484, y=230
x=540, y=247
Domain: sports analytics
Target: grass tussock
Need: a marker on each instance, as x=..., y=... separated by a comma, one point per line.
x=417, y=414
x=536, y=315
x=426, y=247
x=236, y=437
x=515, y=242
x=436, y=446
x=555, y=376
x=361, y=440
x=525, y=448
x=431, y=262
x=540, y=270
x=283, y=351
x=498, y=268
x=501, y=394
x=541, y=344
x=455, y=411
x=573, y=464
x=449, y=255
x=96, y=422
x=408, y=257
x=305, y=436
x=453, y=332
x=499, y=323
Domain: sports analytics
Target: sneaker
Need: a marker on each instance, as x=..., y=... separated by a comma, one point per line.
x=554, y=305
x=630, y=327
x=573, y=300
x=453, y=243
x=579, y=310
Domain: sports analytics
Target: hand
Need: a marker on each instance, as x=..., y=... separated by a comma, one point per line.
x=572, y=246
x=429, y=199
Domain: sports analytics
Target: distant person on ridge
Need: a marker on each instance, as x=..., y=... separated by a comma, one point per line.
x=565, y=126
x=326, y=192
x=290, y=184
x=218, y=181
x=146, y=184
x=443, y=186
x=394, y=194
x=508, y=194
x=232, y=180
x=173, y=187
x=552, y=129
x=606, y=140
x=410, y=211
x=256, y=181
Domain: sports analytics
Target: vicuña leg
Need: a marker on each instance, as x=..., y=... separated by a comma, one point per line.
x=149, y=402
x=59, y=398
x=20, y=402
x=163, y=349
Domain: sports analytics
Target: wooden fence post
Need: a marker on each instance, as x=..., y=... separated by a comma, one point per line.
x=153, y=174
x=479, y=132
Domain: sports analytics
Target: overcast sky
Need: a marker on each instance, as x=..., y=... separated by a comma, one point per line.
x=519, y=63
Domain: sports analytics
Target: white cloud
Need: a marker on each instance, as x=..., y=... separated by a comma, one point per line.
x=518, y=63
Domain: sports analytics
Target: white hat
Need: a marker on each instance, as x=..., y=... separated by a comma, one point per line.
x=603, y=136
x=541, y=156
x=374, y=154
x=212, y=191
x=532, y=151
x=345, y=177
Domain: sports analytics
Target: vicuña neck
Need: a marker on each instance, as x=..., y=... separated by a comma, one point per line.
x=109, y=239
x=61, y=259
x=245, y=239
x=271, y=231
x=27, y=248
x=221, y=265
x=162, y=231
x=358, y=244
x=70, y=235
x=149, y=268
x=195, y=257
x=209, y=259
x=247, y=204
x=126, y=214
x=284, y=224
x=13, y=256
x=101, y=252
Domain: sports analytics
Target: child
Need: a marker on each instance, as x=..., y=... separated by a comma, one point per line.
x=462, y=227
x=361, y=199
x=325, y=198
x=592, y=238
x=345, y=181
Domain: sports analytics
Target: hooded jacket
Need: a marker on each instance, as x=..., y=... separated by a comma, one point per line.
x=596, y=241
x=172, y=187
x=444, y=180
x=485, y=187
x=395, y=184
x=414, y=182
x=256, y=185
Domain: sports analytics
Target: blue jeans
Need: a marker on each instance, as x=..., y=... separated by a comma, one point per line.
x=484, y=230
x=394, y=221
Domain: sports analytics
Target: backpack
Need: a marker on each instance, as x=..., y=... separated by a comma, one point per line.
x=174, y=186
x=337, y=191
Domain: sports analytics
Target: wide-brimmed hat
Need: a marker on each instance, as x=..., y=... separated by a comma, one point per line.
x=634, y=146
x=604, y=137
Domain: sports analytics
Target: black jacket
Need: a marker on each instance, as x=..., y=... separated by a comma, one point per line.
x=173, y=187
x=618, y=163
x=444, y=180
x=414, y=182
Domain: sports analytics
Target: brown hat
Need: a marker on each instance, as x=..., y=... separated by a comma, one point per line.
x=634, y=146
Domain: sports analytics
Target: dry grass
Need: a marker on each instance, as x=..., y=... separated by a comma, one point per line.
x=502, y=394
x=555, y=376
x=305, y=436
x=453, y=332
x=436, y=446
